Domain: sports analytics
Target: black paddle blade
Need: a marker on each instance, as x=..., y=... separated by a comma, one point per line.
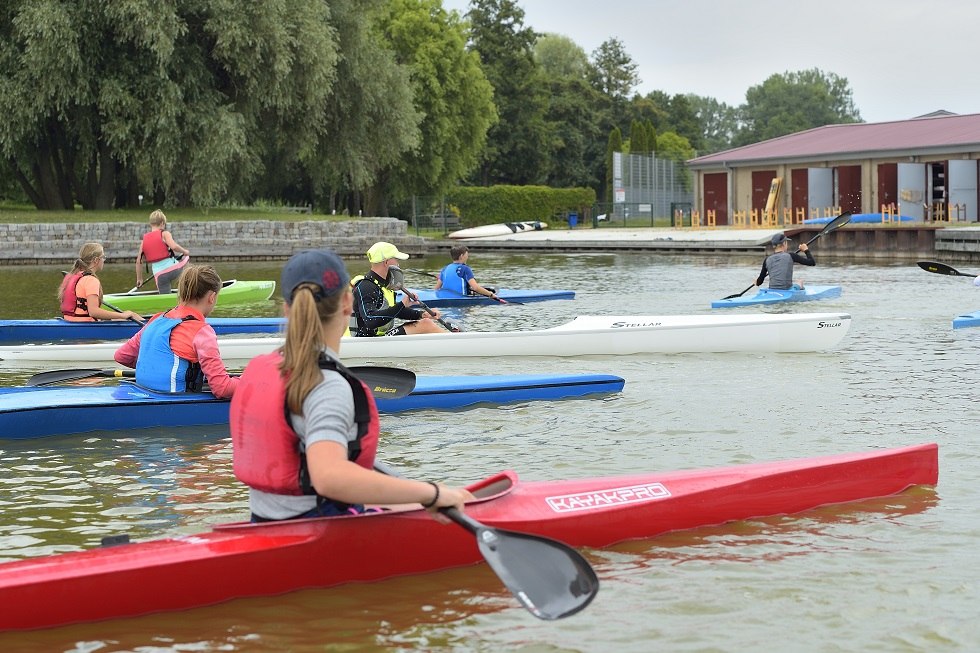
x=942, y=268
x=833, y=225
x=386, y=382
x=550, y=579
x=61, y=376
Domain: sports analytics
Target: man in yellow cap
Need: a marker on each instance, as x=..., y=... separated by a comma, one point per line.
x=375, y=308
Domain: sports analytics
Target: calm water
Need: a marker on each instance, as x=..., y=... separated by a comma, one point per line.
x=895, y=574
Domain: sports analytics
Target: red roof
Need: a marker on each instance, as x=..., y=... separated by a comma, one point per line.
x=943, y=133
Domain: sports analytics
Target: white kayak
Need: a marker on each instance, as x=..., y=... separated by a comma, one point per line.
x=583, y=336
x=500, y=229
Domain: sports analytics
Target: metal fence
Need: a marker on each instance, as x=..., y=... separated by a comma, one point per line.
x=646, y=190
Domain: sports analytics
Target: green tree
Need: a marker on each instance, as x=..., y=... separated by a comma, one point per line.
x=792, y=102
x=718, y=121
x=614, y=144
x=643, y=137
x=517, y=151
x=370, y=121
x=613, y=70
x=559, y=57
x=450, y=92
x=673, y=146
x=104, y=99
x=574, y=117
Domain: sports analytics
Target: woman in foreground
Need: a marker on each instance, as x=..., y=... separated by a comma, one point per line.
x=304, y=430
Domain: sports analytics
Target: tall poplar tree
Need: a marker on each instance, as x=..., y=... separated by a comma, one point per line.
x=517, y=150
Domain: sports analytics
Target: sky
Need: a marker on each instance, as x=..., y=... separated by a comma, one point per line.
x=901, y=58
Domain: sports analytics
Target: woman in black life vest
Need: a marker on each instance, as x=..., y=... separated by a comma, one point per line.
x=318, y=461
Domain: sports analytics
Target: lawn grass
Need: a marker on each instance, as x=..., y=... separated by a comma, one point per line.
x=24, y=214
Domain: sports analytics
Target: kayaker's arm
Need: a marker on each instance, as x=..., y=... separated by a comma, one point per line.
x=221, y=383
x=334, y=476
x=762, y=274
x=126, y=354
x=807, y=259
x=373, y=312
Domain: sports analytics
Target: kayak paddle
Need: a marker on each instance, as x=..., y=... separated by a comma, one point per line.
x=385, y=382
x=942, y=268
x=833, y=225
x=61, y=376
x=119, y=310
x=397, y=283
x=138, y=286
x=550, y=579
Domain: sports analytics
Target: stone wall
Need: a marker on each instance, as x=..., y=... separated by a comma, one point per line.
x=232, y=240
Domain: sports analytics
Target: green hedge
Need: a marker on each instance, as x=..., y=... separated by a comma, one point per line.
x=478, y=205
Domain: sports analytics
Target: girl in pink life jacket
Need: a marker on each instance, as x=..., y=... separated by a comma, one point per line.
x=304, y=431
x=80, y=293
x=161, y=251
x=177, y=351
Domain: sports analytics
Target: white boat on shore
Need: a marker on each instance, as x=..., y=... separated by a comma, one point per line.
x=500, y=229
x=583, y=336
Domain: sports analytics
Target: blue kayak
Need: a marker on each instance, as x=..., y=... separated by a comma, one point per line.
x=866, y=218
x=767, y=296
x=57, y=330
x=967, y=320
x=34, y=412
x=450, y=299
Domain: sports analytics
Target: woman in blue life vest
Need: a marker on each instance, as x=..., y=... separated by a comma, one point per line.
x=165, y=257
x=779, y=265
x=458, y=276
x=80, y=293
x=304, y=430
x=177, y=351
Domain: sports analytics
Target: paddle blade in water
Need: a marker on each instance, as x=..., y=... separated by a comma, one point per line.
x=551, y=581
x=549, y=578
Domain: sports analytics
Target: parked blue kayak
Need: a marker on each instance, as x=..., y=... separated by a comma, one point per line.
x=35, y=412
x=14, y=332
x=867, y=218
x=771, y=296
x=967, y=320
x=450, y=299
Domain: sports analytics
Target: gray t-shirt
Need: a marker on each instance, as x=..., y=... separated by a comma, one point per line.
x=328, y=415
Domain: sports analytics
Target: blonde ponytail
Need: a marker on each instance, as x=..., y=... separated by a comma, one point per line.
x=304, y=340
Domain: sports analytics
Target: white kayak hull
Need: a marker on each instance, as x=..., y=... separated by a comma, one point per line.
x=583, y=336
x=500, y=229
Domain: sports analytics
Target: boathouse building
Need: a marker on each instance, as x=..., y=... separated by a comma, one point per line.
x=924, y=168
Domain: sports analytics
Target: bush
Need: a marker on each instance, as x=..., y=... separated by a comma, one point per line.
x=480, y=205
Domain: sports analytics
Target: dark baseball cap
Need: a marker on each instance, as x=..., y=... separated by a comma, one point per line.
x=779, y=239
x=320, y=267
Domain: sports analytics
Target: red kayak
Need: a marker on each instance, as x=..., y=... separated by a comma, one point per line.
x=242, y=560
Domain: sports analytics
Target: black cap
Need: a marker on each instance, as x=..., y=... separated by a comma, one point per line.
x=779, y=239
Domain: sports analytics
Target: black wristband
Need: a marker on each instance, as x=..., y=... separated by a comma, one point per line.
x=435, y=499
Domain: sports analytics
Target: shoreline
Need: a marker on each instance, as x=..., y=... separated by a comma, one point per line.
x=269, y=240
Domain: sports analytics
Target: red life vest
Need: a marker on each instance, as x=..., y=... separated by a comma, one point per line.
x=72, y=304
x=154, y=249
x=266, y=450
